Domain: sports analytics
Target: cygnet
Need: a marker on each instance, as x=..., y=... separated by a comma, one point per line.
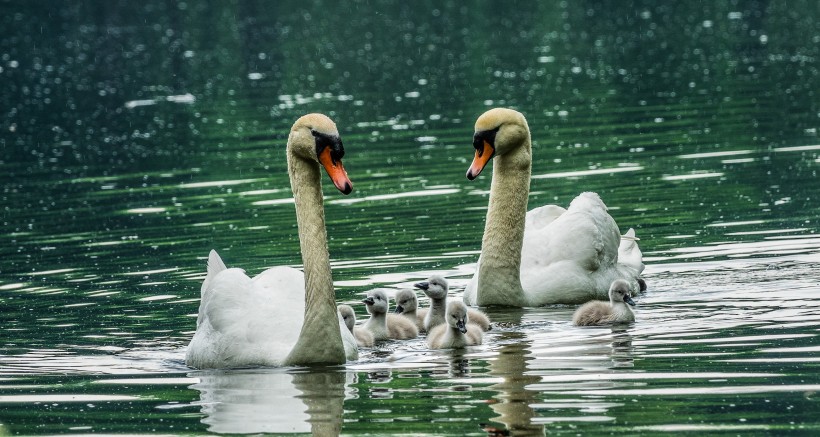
x=384, y=326
x=364, y=338
x=598, y=312
x=407, y=304
x=436, y=289
x=457, y=332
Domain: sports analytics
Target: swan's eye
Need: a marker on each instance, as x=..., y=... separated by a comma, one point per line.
x=337, y=150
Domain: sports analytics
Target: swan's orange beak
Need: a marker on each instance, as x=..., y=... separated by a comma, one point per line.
x=482, y=157
x=336, y=171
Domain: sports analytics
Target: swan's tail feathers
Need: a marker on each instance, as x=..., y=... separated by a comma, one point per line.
x=629, y=254
x=630, y=235
x=215, y=265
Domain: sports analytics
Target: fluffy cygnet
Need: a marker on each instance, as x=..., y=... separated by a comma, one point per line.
x=457, y=332
x=364, y=338
x=436, y=289
x=408, y=306
x=384, y=326
x=598, y=312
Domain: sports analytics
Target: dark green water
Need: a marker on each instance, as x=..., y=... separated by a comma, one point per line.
x=137, y=136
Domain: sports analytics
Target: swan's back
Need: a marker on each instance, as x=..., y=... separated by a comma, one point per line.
x=246, y=321
x=575, y=257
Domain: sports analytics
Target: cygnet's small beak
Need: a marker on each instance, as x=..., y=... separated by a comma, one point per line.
x=422, y=285
x=368, y=300
x=628, y=299
x=399, y=309
x=461, y=326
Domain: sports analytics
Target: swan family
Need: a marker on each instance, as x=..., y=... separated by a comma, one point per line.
x=549, y=255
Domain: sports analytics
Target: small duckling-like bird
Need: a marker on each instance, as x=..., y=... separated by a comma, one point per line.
x=384, y=326
x=436, y=289
x=364, y=338
x=457, y=332
x=598, y=312
x=407, y=304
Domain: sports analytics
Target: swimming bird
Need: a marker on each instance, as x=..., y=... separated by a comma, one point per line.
x=551, y=254
x=436, y=288
x=407, y=304
x=597, y=312
x=384, y=326
x=457, y=332
x=281, y=316
x=364, y=338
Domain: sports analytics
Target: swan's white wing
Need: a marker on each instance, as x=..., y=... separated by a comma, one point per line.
x=249, y=321
x=215, y=266
x=573, y=258
x=542, y=216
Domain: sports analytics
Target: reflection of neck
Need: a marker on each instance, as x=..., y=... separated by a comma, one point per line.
x=514, y=399
x=320, y=340
x=323, y=394
x=499, y=281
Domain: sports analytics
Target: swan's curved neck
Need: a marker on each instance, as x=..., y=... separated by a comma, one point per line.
x=499, y=280
x=320, y=340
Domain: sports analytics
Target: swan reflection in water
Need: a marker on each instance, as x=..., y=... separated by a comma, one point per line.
x=513, y=401
x=272, y=400
x=530, y=362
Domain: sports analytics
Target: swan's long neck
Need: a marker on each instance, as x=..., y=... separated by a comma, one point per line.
x=499, y=280
x=320, y=340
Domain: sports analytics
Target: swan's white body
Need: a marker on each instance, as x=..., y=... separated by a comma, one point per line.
x=255, y=321
x=549, y=255
x=282, y=316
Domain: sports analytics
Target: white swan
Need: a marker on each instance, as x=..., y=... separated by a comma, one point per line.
x=597, y=312
x=436, y=287
x=383, y=325
x=457, y=332
x=549, y=255
x=282, y=316
x=407, y=304
x=364, y=338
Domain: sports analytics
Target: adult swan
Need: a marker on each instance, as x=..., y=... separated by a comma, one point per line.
x=551, y=254
x=282, y=316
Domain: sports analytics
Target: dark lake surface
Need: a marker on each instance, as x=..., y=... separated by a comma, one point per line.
x=137, y=136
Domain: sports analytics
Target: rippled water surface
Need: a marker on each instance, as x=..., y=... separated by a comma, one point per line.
x=137, y=136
